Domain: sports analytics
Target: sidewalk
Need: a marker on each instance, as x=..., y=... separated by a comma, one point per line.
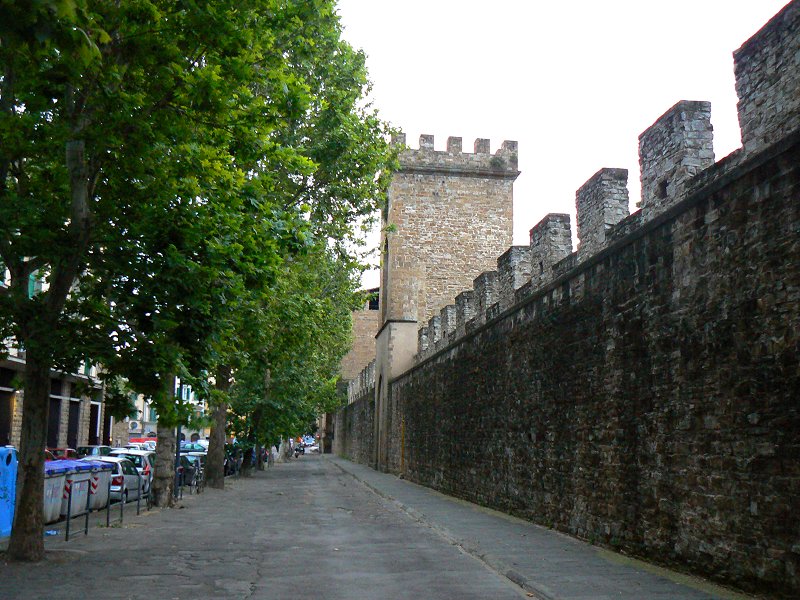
x=548, y=564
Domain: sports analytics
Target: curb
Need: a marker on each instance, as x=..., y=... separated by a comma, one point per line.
x=534, y=590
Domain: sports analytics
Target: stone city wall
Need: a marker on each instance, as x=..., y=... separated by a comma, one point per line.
x=646, y=400
x=642, y=395
x=354, y=429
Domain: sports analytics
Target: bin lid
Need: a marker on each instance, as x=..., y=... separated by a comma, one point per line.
x=55, y=467
x=98, y=465
x=75, y=466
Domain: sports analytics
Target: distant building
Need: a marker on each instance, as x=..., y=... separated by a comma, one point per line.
x=76, y=399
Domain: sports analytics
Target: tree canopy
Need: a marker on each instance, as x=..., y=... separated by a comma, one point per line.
x=166, y=169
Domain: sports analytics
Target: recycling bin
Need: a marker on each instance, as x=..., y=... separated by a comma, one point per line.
x=8, y=489
x=77, y=483
x=99, y=483
x=55, y=472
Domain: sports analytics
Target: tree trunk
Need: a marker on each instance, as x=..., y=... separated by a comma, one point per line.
x=247, y=462
x=215, y=466
x=284, y=451
x=259, y=457
x=27, y=542
x=164, y=476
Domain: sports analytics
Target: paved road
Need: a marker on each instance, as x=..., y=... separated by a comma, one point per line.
x=550, y=565
x=306, y=529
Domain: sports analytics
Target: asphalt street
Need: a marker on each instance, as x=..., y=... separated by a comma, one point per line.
x=306, y=529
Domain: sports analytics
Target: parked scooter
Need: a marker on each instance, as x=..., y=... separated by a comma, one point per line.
x=298, y=450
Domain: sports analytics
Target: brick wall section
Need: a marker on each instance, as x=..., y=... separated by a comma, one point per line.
x=16, y=419
x=678, y=146
x=365, y=325
x=354, y=429
x=513, y=271
x=551, y=241
x=767, y=70
x=601, y=203
x=648, y=399
x=486, y=291
x=85, y=416
x=452, y=214
x=363, y=381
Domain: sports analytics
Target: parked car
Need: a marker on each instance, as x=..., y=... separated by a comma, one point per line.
x=64, y=453
x=146, y=443
x=143, y=460
x=193, y=447
x=126, y=483
x=93, y=451
x=48, y=455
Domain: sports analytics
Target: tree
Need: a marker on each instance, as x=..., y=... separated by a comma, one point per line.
x=290, y=366
x=117, y=118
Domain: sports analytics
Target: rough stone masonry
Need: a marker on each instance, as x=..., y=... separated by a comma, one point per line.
x=642, y=393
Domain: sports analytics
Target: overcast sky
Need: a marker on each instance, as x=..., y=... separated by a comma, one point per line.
x=575, y=83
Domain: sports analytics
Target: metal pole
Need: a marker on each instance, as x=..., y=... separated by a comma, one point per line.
x=138, y=495
x=69, y=509
x=108, y=500
x=88, y=507
x=178, y=446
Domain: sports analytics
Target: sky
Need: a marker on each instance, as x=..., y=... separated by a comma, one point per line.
x=575, y=83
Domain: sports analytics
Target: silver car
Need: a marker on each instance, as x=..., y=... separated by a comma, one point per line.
x=143, y=460
x=126, y=483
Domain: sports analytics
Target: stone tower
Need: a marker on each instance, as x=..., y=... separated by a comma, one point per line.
x=449, y=214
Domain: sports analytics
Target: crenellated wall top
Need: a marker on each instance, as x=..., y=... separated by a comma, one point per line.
x=425, y=160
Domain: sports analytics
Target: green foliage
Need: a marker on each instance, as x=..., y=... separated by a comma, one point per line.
x=290, y=371
x=118, y=398
x=164, y=169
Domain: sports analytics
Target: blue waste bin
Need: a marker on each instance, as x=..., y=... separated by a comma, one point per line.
x=8, y=489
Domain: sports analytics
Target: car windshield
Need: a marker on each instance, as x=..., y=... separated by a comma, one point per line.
x=192, y=448
x=136, y=459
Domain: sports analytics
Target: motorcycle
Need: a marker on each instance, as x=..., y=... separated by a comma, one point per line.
x=298, y=450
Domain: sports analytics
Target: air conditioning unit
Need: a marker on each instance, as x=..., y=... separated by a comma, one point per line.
x=133, y=425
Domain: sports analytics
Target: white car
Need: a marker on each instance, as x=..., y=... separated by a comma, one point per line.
x=143, y=460
x=126, y=483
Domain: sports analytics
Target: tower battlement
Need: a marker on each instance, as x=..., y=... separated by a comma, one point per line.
x=453, y=160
